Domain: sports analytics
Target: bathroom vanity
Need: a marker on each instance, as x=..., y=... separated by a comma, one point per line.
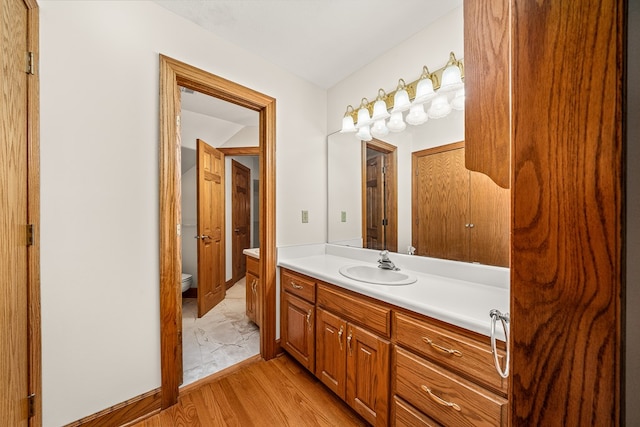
x=405, y=355
x=252, y=284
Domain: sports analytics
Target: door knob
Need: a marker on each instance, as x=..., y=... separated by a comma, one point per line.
x=237, y=230
x=203, y=236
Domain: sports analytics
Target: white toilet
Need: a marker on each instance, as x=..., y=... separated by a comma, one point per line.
x=186, y=281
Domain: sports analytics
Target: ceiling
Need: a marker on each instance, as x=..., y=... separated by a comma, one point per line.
x=322, y=41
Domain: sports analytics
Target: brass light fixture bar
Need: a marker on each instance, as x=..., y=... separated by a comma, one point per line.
x=388, y=98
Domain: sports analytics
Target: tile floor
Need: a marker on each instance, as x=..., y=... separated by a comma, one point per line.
x=221, y=338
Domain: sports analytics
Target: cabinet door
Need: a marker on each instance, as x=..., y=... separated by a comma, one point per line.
x=489, y=214
x=297, y=329
x=487, y=75
x=368, y=375
x=251, y=284
x=331, y=333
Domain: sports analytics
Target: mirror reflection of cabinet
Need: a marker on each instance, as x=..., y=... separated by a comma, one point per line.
x=458, y=214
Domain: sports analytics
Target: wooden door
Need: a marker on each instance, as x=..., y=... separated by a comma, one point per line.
x=297, y=329
x=489, y=221
x=241, y=216
x=19, y=357
x=331, y=335
x=440, y=208
x=375, y=200
x=211, y=265
x=368, y=367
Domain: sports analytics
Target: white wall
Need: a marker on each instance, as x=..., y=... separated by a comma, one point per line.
x=99, y=136
x=211, y=130
x=429, y=47
x=189, y=206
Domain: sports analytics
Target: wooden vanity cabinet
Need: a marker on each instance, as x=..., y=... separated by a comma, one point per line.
x=252, y=285
x=350, y=359
x=297, y=311
x=446, y=373
x=392, y=366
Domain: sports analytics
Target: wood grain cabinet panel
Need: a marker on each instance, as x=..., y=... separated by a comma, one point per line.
x=357, y=308
x=251, y=288
x=458, y=214
x=331, y=362
x=368, y=375
x=459, y=352
x=487, y=75
x=405, y=415
x=298, y=284
x=298, y=330
x=446, y=397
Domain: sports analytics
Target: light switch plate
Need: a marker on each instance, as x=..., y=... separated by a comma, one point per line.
x=305, y=217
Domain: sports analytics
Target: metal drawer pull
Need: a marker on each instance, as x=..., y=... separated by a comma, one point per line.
x=309, y=318
x=439, y=400
x=442, y=349
x=254, y=284
x=349, y=338
x=340, y=336
x=296, y=286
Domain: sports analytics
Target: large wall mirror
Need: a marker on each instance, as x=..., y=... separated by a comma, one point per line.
x=431, y=205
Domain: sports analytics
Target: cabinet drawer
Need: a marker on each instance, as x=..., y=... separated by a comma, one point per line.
x=299, y=285
x=253, y=266
x=456, y=351
x=375, y=317
x=405, y=415
x=446, y=397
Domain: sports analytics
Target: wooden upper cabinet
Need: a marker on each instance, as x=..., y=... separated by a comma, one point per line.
x=487, y=75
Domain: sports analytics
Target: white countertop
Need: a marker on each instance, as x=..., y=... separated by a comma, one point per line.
x=253, y=252
x=459, y=302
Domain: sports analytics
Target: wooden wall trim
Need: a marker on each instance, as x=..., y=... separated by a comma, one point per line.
x=239, y=151
x=33, y=215
x=174, y=73
x=124, y=413
x=439, y=149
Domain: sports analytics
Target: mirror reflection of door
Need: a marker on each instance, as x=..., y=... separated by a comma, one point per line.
x=241, y=216
x=379, y=205
x=211, y=283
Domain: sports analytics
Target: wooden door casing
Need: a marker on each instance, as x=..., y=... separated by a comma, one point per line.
x=241, y=216
x=14, y=299
x=331, y=333
x=211, y=265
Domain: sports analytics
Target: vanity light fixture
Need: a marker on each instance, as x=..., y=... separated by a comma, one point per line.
x=443, y=90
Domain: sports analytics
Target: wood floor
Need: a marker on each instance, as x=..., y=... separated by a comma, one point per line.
x=275, y=393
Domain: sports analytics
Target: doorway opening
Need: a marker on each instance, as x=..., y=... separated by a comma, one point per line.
x=173, y=75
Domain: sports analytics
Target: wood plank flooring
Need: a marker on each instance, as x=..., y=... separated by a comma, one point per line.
x=279, y=392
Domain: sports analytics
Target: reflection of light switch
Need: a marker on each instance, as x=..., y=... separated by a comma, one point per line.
x=305, y=217
x=343, y=216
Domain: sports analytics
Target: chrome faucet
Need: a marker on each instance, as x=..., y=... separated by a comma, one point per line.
x=385, y=263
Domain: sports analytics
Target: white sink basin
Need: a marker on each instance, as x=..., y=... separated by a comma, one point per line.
x=375, y=275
